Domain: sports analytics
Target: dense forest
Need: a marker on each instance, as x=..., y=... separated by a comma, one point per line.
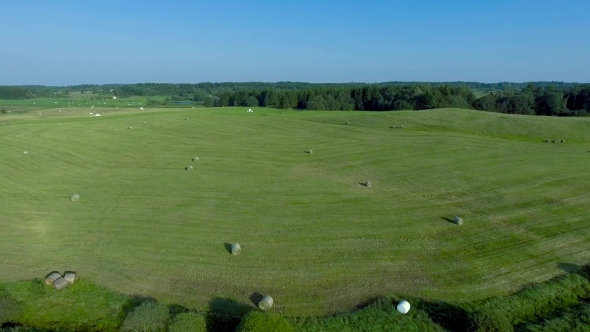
x=537, y=98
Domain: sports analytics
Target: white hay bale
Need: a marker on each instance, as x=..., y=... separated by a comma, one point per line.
x=236, y=249
x=59, y=124
x=266, y=303
x=25, y=152
x=401, y=126
x=186, y=118
x=458, y=220
x=39, y=113
x=195, y=158
x=129, y=127
x=144, y=122
x=562, y=141
x=97, y=114
x=75, y=197
x=141, y=108
x=368, y=184
x=53, y=276
x=60, y=283
x=310, y=151
x=189, y=168
x=70, y=277
x=403, y=307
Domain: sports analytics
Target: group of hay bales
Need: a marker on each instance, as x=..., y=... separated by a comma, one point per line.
x=60, y=282
x=555, y=141
x=398, y=126
x=190, y=167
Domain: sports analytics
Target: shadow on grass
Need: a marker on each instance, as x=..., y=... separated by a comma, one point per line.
x=448, y=220
x=255, y=298
x=227, y=247
x=226, y=314
x=449, y=316
x=568, y=267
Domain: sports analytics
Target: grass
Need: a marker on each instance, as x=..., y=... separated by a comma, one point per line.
x=312, y=237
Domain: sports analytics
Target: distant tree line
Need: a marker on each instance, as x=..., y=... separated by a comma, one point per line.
x=538, y=98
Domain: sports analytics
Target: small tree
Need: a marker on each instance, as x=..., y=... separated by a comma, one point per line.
x=188, y=321
x=147, y=317
x=257, y=321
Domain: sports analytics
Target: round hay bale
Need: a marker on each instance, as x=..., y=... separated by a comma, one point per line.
x=236, y=249
x=75, y=197
x=195, y=158
x=189, y=168
x=368, y=184
x=548, y=140
x=59, y=124
x=266, y=303
x=562, y=141
x=401, y=126
x=403, y=307
x=53, y=276
x=458, y=220
x=70, y=277
x=60, y=283
x=144, y=122
x=347, y=122
x=554, y=141
x=310, y=151
x=129, y=127
x=25, y=152
x=186, y=118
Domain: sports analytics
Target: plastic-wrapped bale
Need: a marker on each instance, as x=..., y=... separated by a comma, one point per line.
x=403, y=307
x=562, y=141
x=186, y=118
x=60, y=283
x=310, y=151
x=75, y=197
x=236, y=249
x=25, y=152
x=266, y=303
x=195, y=158
x=548, y=140
x=189, y=168
x=70, y=277
x=458, y=220
x=129, y=127
x=368, y=184
x=144, y=122
x=53, y=276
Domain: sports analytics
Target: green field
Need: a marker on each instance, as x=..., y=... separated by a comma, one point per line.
x=311, y=235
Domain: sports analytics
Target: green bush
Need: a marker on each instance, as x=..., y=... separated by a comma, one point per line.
x=257, y=321
x=10, y=310
x=80, y=307
x=188, y=321
x=489, y=322
x=379, y=316
x=2, y=111
x=541, y=300
x=569, y=320
x=147, y=317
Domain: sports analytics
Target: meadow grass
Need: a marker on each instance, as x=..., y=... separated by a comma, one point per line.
x=312, y=236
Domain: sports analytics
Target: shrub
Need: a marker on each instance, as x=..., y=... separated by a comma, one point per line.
x=3, y=111
x=540, y=300
x=188, y=321
x=571, y=319
x=489, y=322
x=257, y=321
x=147, y=317
x=10, y=310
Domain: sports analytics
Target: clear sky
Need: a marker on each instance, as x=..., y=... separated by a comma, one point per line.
x=62, y=42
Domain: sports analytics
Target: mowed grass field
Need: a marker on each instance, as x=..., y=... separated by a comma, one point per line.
x=312, y=236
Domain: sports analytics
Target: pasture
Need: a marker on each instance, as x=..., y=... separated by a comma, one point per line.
x=311, y=235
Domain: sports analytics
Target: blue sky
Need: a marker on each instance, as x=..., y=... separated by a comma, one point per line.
x=96, y=42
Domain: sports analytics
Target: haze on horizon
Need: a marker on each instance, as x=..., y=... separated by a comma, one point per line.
x=67, y=42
